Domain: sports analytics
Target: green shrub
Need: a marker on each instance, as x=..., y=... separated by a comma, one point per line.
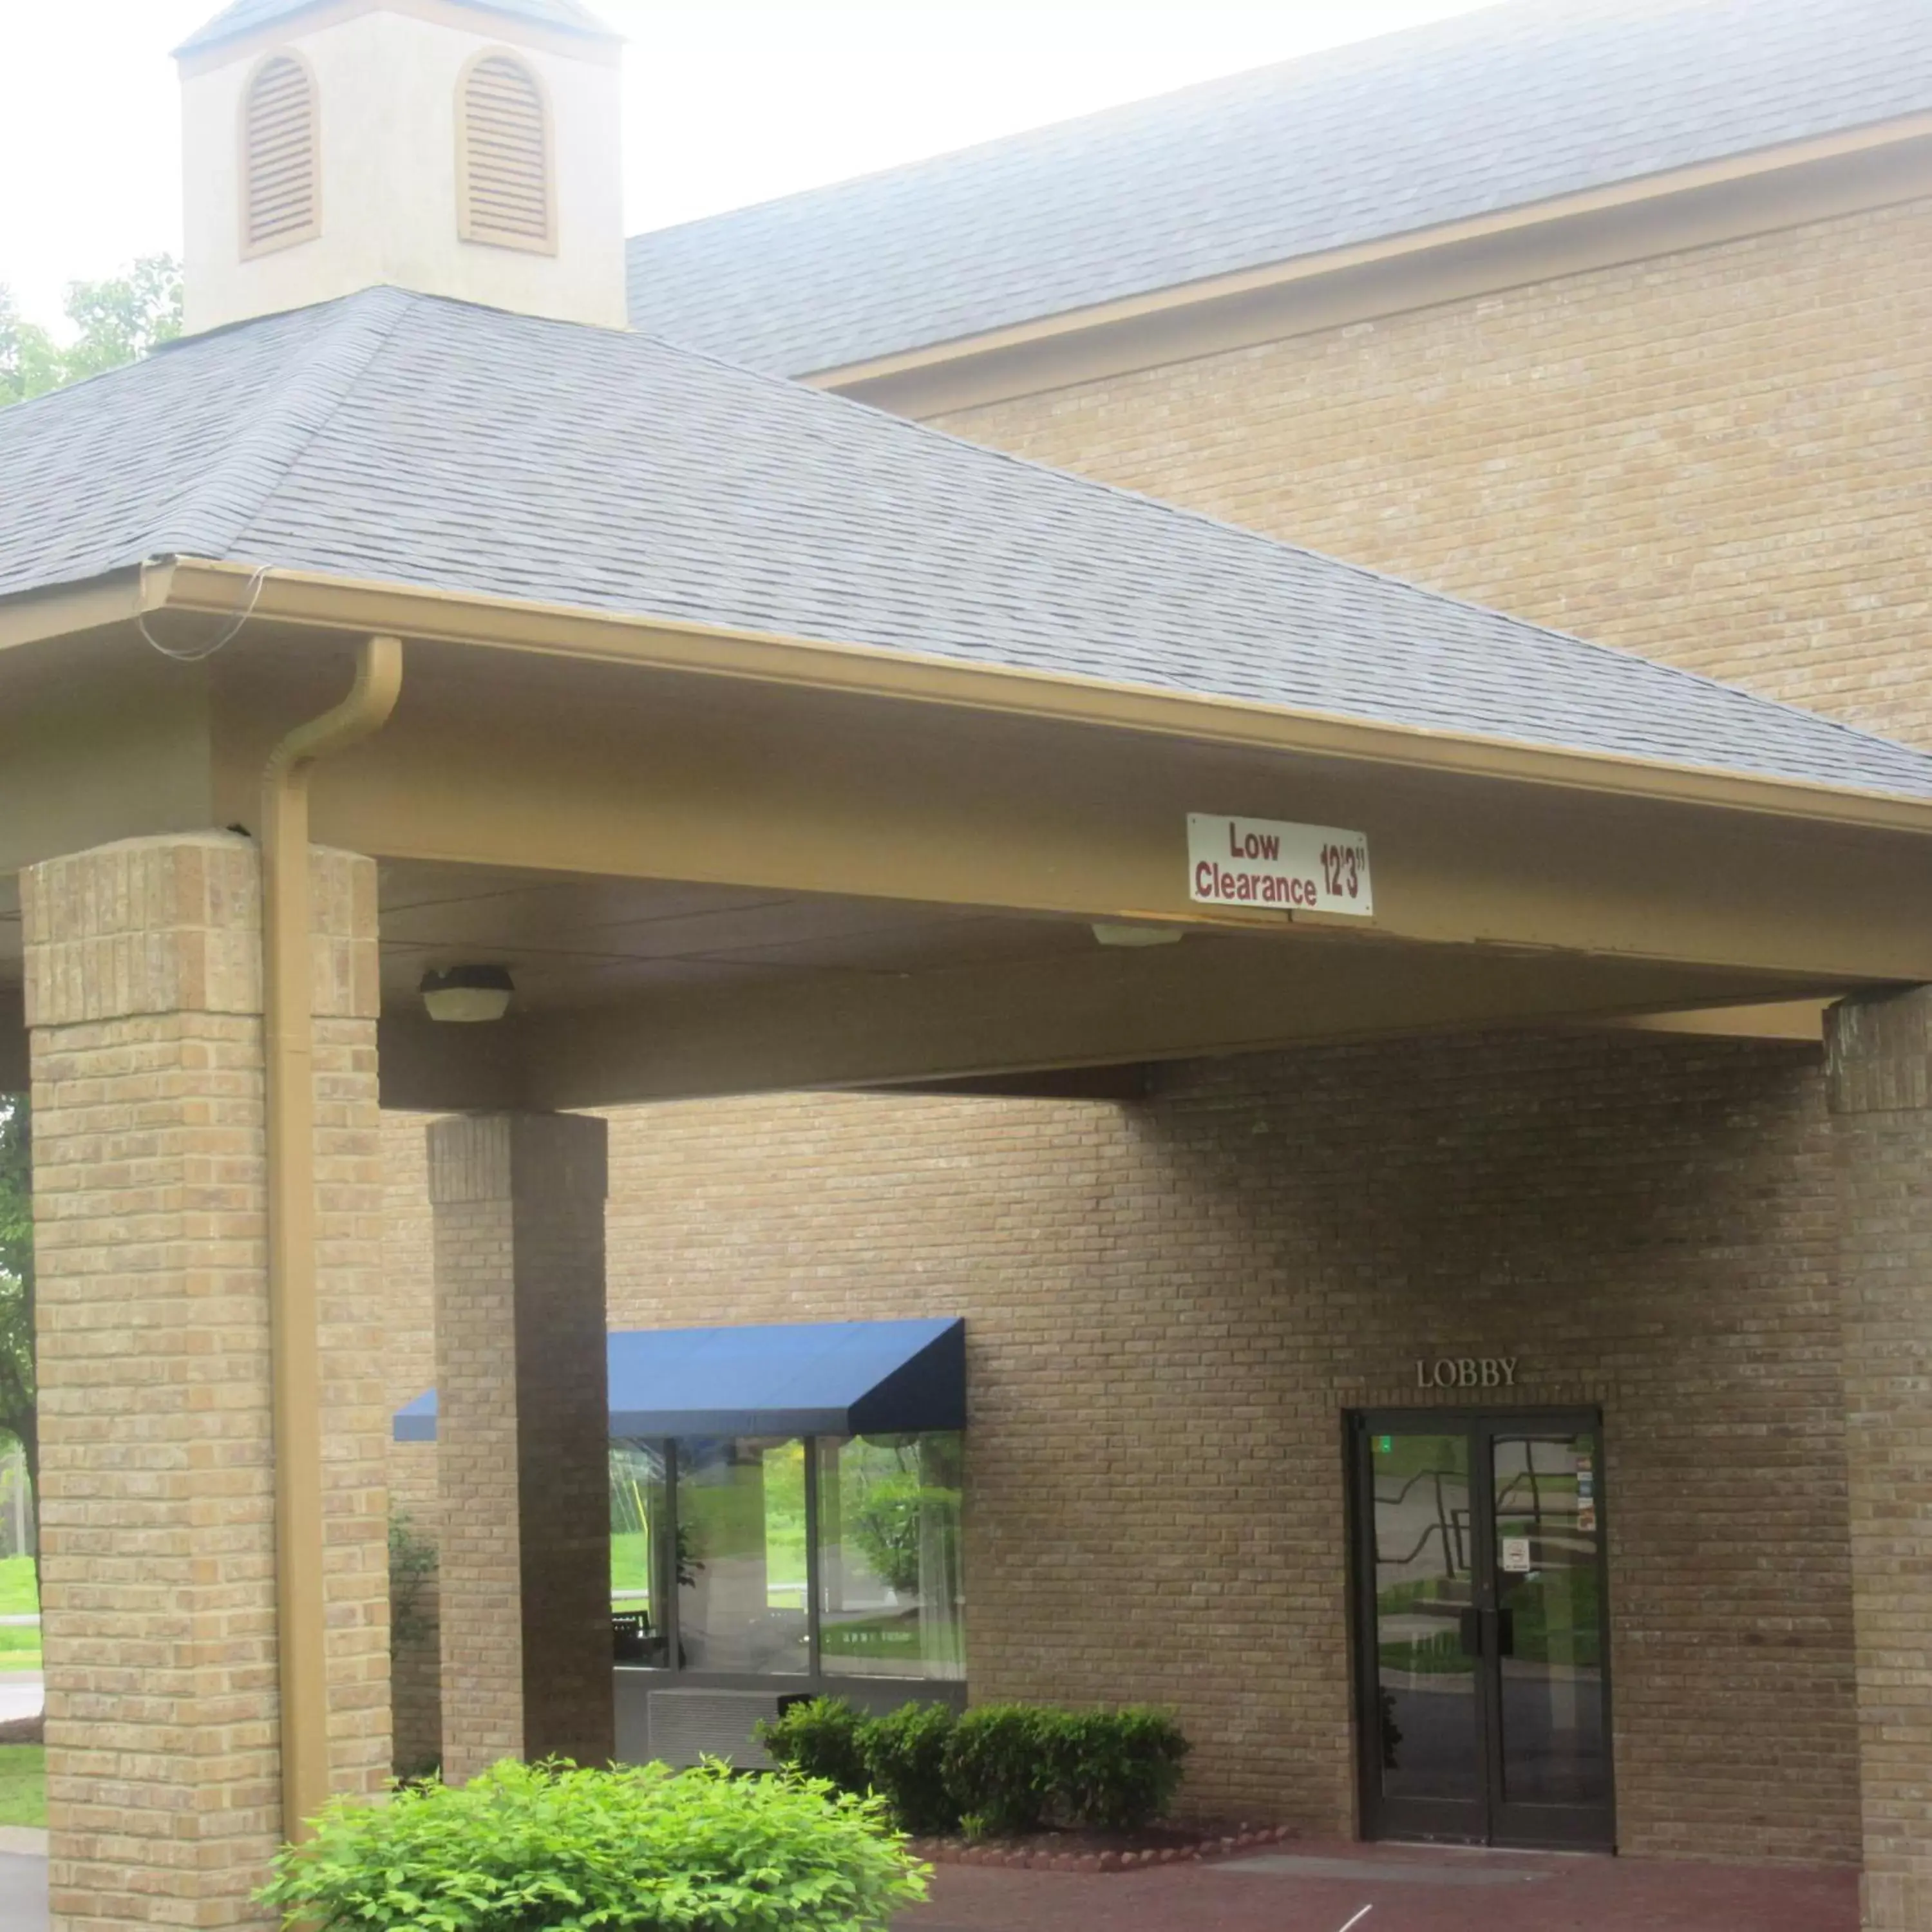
x=996, y=1763
x=818, y=1737
x=905, y=1758
x=1112, y=1771
x=548, y=1848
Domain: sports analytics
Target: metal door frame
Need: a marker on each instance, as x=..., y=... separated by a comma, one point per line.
x=1488, y=1818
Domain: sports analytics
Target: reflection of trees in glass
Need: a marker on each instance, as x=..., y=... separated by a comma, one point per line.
x=903, y=1492
x=744, y=1501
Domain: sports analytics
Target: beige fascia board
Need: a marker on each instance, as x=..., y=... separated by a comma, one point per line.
x=342, y=603
x=1762, y=191
x=603, y=48
x=1799, y=1021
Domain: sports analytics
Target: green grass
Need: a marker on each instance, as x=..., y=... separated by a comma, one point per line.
x=20, y=1596
x=23, y=1785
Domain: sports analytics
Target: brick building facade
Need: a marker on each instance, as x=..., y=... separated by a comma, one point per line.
x=767, y=743
x=1715, y=456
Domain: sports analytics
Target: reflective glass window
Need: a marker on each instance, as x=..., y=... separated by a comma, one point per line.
x=741, y=1555
x=892, y=1598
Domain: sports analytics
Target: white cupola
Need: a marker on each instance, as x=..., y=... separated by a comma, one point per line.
x=462, y=147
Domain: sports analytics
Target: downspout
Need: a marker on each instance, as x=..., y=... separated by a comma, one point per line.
x=288, y=1030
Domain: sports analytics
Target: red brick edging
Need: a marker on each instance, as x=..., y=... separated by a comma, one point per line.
x=1023, y=1858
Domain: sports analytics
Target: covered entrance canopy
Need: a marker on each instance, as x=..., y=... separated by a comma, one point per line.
x=768, y=742
x=790, y=1378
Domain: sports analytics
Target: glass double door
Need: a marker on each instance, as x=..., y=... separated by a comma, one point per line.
x=1482, y=1646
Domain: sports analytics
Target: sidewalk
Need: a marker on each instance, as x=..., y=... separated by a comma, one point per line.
x=1308, y=1888
x=23, y=1892
x=22, y=1694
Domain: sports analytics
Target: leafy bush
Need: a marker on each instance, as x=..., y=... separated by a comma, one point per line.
x=1113, y=1770
x=1000, y=1770
x=996, y=1764
x=819, y=1737
x=905, y=1758
x=412, y=1560
x=548, y=1848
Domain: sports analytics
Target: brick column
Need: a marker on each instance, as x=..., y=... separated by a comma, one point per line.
x=143, y=986
x=1880, y=1063
x=523, y=1433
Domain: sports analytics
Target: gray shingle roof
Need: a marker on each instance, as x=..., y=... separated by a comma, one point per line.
x=407, y=439
x=245, y=17
x=1509, y=105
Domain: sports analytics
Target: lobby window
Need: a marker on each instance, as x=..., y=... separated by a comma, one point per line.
x=806, y=1557
x=281, y=192
x=889, y=1557
x=641, y=1549
x=743, y=1591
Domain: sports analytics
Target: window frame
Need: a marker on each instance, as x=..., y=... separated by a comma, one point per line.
x=466, y=226
x=248, y=248
x=666, y=1595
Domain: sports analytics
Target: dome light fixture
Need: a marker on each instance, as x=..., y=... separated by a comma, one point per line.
x=467, y=995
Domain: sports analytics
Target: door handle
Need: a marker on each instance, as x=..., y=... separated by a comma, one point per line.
x=1471, y=1622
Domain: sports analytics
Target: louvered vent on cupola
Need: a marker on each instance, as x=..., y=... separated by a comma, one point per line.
x=504, y=157
x=281, y=193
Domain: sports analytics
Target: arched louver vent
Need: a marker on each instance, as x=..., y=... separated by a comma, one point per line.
x=505, y=178
x=280, y=193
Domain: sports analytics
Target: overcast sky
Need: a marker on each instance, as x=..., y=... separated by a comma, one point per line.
x=728, y=101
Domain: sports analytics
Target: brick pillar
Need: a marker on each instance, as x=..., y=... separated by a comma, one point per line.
x=143, y=987
x=523, y=1434
x=1880, y=1069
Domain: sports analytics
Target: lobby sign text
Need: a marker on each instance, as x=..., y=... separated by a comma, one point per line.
x=1467, y=1371
x=1270, y=862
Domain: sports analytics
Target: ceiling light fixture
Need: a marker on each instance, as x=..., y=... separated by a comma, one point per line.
x=467, y=995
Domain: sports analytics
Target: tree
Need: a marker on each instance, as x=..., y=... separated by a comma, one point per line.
x=115, y=321
x=20, y=1410
x=30, y=360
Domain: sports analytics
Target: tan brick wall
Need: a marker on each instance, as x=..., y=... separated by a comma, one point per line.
x=1719, y=458
x=158, y=1559
x=1170, y=1307
x=1882, y=1091
x=518, y=1203
x=480, y=1601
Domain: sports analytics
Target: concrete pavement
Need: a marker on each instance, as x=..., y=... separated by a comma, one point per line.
x=22, y=1694
x=23, y=1893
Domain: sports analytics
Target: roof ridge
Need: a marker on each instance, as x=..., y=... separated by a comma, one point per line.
x=1382, y=578
x=1061, y=125
x=294, y=410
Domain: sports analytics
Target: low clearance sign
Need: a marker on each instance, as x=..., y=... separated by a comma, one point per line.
x=1267, y=861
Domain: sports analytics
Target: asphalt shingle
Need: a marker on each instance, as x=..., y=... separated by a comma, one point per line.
x=1495, y=109
x=407, y=439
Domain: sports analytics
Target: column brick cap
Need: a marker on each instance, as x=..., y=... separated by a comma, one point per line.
x=515, y=1156
x=173, y=924
x=1878, y=1052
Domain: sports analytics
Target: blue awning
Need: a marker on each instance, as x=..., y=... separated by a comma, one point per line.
x=800, y=1378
